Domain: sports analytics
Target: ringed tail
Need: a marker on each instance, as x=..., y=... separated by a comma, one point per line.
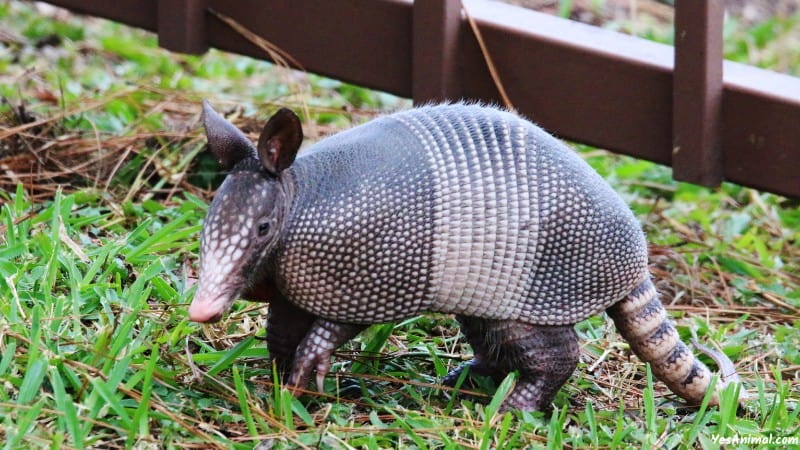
x=642, y=320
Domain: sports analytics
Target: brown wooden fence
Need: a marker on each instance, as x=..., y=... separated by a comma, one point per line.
x=648, y=100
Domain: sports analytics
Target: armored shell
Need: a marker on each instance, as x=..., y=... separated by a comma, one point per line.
x=456, y=209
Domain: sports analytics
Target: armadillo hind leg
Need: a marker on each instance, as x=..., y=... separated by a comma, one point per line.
x=316, y=349
x=642, y=320
x=287, y=325
x=545, y=357
x=474, y=330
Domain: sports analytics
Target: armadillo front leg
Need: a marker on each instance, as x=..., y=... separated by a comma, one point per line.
x=287, y=324
x=315, y=351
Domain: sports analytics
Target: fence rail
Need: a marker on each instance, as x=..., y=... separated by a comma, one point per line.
x=684, y=107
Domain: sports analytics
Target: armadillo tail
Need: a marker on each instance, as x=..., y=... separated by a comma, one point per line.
x=643, y=322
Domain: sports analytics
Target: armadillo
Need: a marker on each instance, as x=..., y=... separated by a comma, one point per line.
x=459, y=208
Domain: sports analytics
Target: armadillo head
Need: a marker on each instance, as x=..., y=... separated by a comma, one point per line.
x=246, y=216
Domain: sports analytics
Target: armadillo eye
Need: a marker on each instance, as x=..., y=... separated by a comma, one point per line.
x=263, y=228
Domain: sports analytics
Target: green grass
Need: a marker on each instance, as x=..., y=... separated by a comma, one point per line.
x=97, y=267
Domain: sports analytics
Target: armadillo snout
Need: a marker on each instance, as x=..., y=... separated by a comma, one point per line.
x=201, y=313
x=208, y=307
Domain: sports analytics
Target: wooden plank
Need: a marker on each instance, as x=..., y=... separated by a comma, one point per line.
x=365, y=42
x=137, y=13
x=698, y=90
x=761, y=136
x=435, y=50
x=181, y=26
x=580, y=82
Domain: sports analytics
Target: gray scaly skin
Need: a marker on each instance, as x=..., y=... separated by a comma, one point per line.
x=459, y=209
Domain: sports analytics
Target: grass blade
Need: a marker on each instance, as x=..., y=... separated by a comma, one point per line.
x=66, y=405
x=141, y=417
x=487, y=433
x=651, y=434
x=555, y=434
x=230, y=356
x=16, y=434
x=591, y=420
x=244, y=404
x=36, y=368
x=108, y=393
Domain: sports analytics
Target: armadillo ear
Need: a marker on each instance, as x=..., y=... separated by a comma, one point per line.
x=226, y=142
x=279, y=141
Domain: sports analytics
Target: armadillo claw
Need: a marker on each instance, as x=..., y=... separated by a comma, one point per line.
x=302, y=370
x=304, y=366
x=315, y=351
x=475, y=367
x=296, y=383
x=321, y=372
x=529, y=395
x=452, y=377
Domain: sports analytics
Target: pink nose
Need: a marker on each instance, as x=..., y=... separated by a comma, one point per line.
x=204, y=312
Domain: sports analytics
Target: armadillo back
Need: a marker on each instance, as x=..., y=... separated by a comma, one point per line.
x=460, y=209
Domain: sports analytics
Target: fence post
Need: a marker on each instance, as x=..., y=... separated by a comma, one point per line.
x=435, y=49
x=697, y=92
x=182, y=25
